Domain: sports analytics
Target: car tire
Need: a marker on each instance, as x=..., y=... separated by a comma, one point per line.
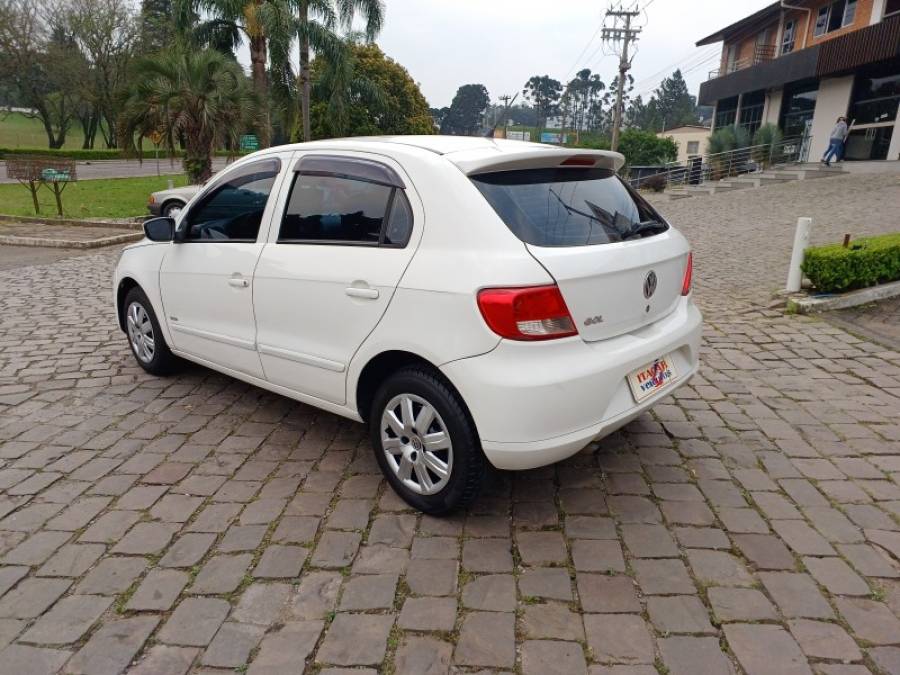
x=411, y=457
x=172, y=209
x=145, y=336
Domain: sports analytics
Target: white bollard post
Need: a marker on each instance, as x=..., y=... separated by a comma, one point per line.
x=801, y=243
x=170, y=183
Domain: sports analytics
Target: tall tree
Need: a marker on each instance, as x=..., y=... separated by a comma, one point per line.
x=198, y=96
x=543, y=92
x=466, y=113
x=674, y=104
x=366, y=93
x=157, y=25
x=316, y=22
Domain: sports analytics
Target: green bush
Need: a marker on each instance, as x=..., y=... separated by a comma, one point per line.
x=97, y=155
x=866, y=262
x=768, y=135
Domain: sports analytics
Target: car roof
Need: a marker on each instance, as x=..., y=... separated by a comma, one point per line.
x=472, y=154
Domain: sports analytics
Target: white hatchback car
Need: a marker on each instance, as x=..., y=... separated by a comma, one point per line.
x=472, y=300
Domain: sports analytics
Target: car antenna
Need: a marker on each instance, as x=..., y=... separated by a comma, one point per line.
x=509, y=101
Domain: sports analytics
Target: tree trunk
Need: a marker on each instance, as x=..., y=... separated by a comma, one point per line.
x=304, y=69
x=258, y=59
x=197, y=159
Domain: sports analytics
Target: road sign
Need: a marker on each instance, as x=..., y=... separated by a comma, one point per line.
x=249, y=143
x=552, y=137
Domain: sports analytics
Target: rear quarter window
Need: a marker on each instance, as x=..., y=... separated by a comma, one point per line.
x=567, y=207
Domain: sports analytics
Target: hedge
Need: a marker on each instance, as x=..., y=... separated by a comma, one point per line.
x=866, y=262
x=96, y=155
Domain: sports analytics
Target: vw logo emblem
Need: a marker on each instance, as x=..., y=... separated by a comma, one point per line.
x=650, y=284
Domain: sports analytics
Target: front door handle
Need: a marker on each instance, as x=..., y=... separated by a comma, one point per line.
x=367, y=293
x=238, y=282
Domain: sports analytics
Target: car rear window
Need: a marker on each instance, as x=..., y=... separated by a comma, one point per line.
x=568, y=207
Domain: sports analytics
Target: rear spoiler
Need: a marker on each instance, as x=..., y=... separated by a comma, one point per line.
x=486, y=160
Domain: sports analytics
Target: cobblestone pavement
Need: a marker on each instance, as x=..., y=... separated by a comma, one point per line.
x=196, y=524
x=878, y=321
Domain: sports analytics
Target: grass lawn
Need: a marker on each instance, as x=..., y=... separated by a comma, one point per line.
x=101, y=198
x=18, y=131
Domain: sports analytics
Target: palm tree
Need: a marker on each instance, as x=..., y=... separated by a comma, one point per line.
x=269, y=27
x=317, y=21
x=197, y=97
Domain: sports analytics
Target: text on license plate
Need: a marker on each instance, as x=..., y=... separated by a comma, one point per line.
x=651, y=378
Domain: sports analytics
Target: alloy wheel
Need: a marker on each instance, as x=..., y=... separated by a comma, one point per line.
x=416, y=444
x=140, y=332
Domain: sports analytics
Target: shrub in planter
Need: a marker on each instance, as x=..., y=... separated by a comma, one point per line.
x=866, y=262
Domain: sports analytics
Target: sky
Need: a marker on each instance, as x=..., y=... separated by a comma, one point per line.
x=501, y=43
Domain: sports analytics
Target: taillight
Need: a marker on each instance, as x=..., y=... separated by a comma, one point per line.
x=688, y=275
x=535, y=313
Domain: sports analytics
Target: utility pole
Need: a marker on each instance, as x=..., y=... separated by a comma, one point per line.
x=626, y=36
x=506, y=99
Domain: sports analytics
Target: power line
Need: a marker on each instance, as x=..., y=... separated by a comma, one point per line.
x=626, y=35
x=583, y=51
x=683, y=62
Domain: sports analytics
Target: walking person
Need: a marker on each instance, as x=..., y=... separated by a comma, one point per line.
x=836, y=141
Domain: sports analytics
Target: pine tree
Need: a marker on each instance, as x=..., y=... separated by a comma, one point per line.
x=157, y=25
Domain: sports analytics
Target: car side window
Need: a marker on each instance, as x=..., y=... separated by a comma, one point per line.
x=343, y=201
x=233, y=210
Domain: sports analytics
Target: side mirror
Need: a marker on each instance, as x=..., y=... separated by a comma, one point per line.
x=160, y=229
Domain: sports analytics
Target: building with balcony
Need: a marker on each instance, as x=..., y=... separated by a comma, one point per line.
x=801, y=64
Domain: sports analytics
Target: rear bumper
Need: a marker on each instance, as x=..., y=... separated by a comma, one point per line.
x=538, y=403
x=155, y=208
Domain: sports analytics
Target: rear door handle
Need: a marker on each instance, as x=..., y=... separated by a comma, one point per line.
x=367, y=293
x=238, y=282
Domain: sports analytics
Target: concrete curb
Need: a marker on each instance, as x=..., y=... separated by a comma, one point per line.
x=13, y=240
x=129, y=224
x=811, y=304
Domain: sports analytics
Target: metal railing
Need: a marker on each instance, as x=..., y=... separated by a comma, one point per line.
x=761, y=54
x=729, y=164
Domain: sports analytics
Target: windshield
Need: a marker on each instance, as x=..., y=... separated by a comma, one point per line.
x=568, y=207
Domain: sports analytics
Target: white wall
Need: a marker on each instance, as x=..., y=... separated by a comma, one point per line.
x=773, y=106
x=894, y=149
x=877, y=11
x=833, y=101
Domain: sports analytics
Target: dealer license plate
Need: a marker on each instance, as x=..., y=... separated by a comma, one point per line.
x=652, y=378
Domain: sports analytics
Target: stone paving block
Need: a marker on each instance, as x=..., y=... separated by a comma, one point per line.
x=552, y=620
x=765, y=551
x=491, y=592
x=165, y=660
x=335, y=549
x=79, y=514
x=762, y=649
x=836, y=576
x=868, y=561
x=432, y=577
x=25, y=660
x=684, y=655
x=242, y=538
x=662, y=577
x=607, y=594
x=283, y=649
x=552, y=583
x=72, y=560
x=629, y=509
x=232, y=645
x=421, y=656
x=221, y=574
x=67, y=620
x=159, y=590
x=802, y=538
x=369, y=591
x=619, y=638
x=279, y=562
x=887, y=659
x=428, y=614
x=595, y=555
x=740, y=604
x=822, y=640
x=486, y=639
x=487, y=555
x=36, y=549
x=541, y=548
x=393, y=530
x=10, y=575
x=687, y=513
x=434, y=548
x=702, y=537
x=796, y=595
x=870, y=620
x=590, y=527
x=679, y=614
x=295, y=530
x=355, y=639
x=649, y=541
x=262, y=603
x=175, y=508
x=194, y=622
x=316, y=595
x=535, y=515
x=31, y=597
x=9, y=630
x=111, y=576
x=112, y=647
x=551, y=657
x=187, y=550
x=146, y=539
x=215, y=518
x=718, y=568
x=110, y=527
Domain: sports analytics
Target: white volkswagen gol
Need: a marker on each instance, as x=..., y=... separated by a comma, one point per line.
x=470, y=299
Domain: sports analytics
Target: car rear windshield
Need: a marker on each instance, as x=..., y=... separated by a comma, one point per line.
x=568, y=207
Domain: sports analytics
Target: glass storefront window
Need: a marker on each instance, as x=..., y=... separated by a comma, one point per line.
x=872, y=143
x=876, y=95
x=797, y=109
